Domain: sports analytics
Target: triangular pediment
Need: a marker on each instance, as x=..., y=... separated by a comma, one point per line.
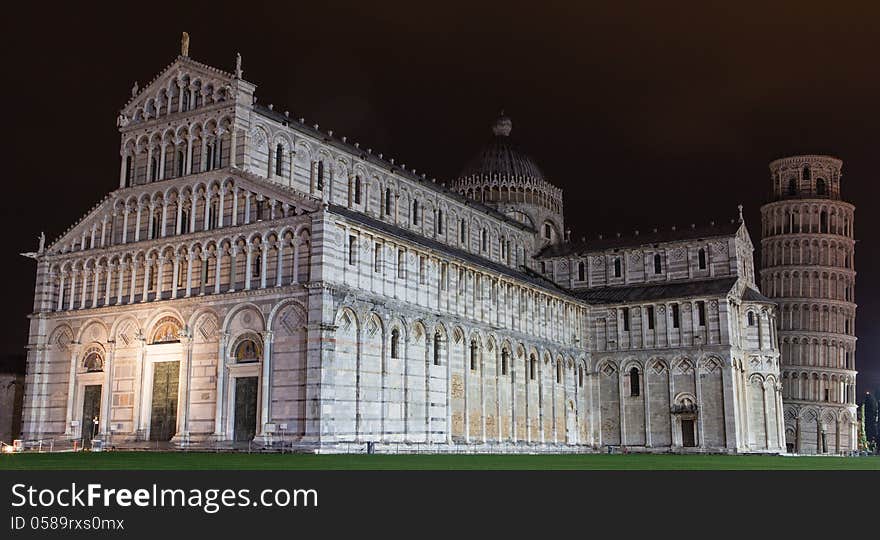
x=151, y=100
x=72, y=239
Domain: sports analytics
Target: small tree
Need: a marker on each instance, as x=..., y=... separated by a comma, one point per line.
x=869, y=415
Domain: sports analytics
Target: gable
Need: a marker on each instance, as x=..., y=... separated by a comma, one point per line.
x=172, y=190
x=209, y=85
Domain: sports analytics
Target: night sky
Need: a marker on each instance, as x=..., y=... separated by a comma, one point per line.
x=649, y=115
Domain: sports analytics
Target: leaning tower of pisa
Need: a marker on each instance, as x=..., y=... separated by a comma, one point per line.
x=808, y=267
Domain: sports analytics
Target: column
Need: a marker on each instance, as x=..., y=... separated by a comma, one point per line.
x=160, y=276
x=148, y=263
x=107, y=393
x=71, y=387
x=122, y=267
x=185, y=377
x=218, y=260
x=233, y=251
x=109, y=271
x=247, y=267
x=192, y=213
x=295, y=277
x=188, y=160
x=85, y=287
x=265, y=383
x=178, y=222
x=221, y=207
x=61, y=292
x=125, y=211
x=137, y=229
x=221, y=379
x=207, y=211
x=189, y=268
x=164, y=230
x=264, y=255
x=175, y=275
x=233, y=148
x=279, y=266
x=163, y=148
x=233, y=220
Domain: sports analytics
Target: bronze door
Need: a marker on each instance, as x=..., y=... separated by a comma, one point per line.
x=687, y=433
x=91, y=412
x=163, y=417
x=245, y=408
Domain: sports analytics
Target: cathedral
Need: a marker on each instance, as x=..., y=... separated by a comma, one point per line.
x=255, y=281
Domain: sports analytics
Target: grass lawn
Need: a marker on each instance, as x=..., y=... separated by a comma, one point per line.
x=233, y=461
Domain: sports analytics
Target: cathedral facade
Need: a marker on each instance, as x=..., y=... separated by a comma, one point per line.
x=254, y=279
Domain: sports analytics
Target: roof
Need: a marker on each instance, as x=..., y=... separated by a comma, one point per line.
x=523, y=274
x=664, y=291
x=501, y=158
x=368, y=157
x=656, y=236
x=751, y=295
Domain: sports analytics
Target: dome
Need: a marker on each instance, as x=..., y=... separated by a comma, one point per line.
x=500, y=158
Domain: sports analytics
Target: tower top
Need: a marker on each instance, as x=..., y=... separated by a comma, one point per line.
x=184, y=44
x=806, y=177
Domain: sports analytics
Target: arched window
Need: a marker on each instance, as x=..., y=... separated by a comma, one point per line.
x=751, y=318
x=157, y=225
x=617, y=267
x=184, y=100
x=154, y=169
x=823, y=222
x=806, y=174
x=357, y=190
x=533, y=364
x=580, y=376
x=93, y=361
x=184, y=221
x=279, y=160
x=701, y=257
x=438, y=344
x=415, y=212
x=505, y=361
x=582, y=271
x=247, y=350
x=548, y=231
x=558, y=372
x=473, y=355
x=256, y=265
x=634, y=389
x=215, y=211
x=388, y=201
x=820, y=186
x=484, y=240
x=320, y=177
x=181, y=163
x=792, y=186
x=129, y=171
x=439, y=221
x=658, y=264
x=462, y=231
x=395, y=343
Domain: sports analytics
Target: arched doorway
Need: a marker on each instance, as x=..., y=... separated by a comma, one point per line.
x=247, y=353
x=162, y=379
x=90, y=379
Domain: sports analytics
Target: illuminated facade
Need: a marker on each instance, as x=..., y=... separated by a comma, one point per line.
x=808, y=267
x=255, y=279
